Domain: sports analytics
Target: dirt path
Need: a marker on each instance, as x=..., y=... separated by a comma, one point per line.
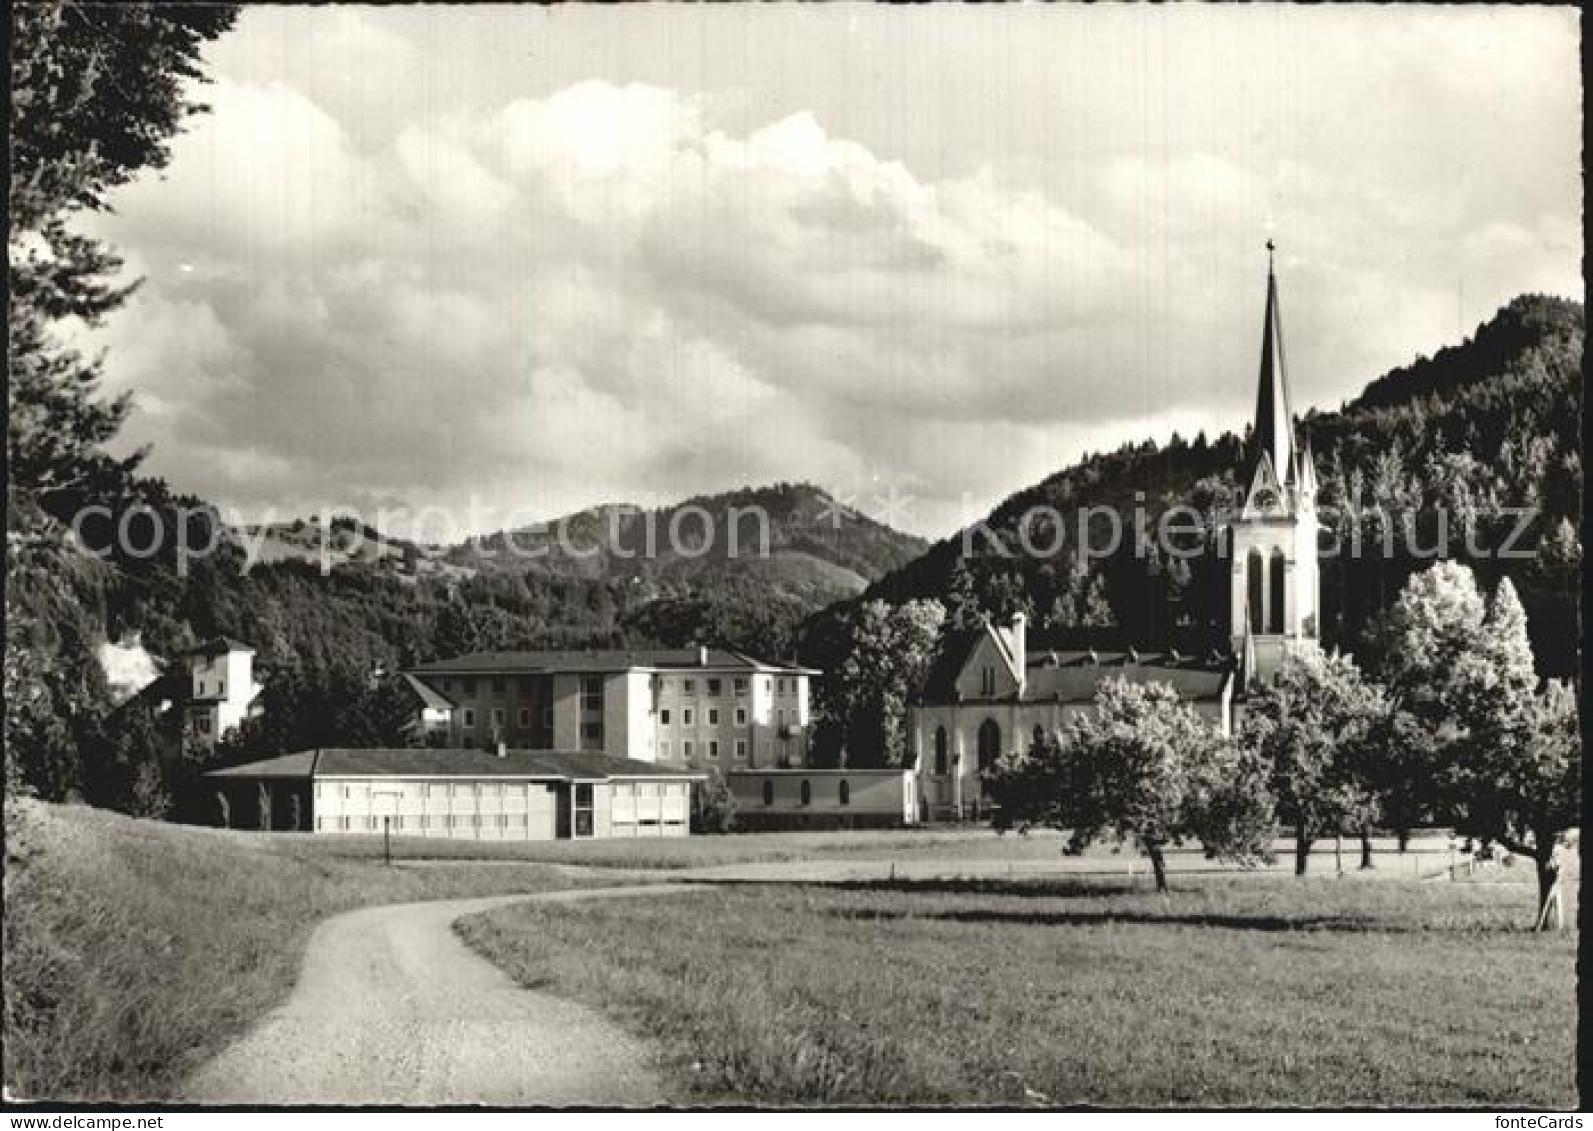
x=392, y=1008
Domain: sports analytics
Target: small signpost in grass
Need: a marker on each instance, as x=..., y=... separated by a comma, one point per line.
x=391, y=795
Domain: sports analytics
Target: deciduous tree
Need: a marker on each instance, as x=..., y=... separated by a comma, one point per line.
x=1141, y=766
x=1516, y=779
x=887, y=656
x=1310, y=726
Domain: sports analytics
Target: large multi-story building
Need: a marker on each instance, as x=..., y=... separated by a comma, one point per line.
x=702, y=707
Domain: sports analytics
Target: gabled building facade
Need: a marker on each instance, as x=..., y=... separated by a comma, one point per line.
x=997, y=688
x=221, y=689
x=693, y=707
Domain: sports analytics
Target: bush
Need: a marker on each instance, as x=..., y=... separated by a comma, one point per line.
x=713, y=806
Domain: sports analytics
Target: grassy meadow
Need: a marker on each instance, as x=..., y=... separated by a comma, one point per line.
x=1236, y=990
x=134, y=950
x=675, y=853
x=964, y=843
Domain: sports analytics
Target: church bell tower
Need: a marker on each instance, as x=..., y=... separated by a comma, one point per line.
x=1272, y=544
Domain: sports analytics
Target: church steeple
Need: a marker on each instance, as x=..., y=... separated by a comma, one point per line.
x=1274, y=592
x=1274, y=434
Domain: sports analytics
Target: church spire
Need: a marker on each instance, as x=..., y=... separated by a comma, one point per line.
x=1274, y=415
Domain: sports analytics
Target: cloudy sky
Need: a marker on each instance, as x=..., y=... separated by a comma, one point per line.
x=544, y=258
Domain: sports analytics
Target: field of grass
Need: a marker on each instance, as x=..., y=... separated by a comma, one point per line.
x=937, y=842
x=675, y=853
x=1256, y=991
x=134, y=950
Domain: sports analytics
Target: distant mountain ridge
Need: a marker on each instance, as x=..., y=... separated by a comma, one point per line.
x=793, y=536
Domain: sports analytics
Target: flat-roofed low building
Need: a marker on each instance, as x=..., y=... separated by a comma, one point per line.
x=811, y=798
x=463, y=794
x=694, y=707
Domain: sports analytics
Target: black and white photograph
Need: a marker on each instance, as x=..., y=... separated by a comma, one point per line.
x=817, y=557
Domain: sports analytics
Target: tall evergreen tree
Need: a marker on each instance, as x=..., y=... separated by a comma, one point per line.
x=97, y=91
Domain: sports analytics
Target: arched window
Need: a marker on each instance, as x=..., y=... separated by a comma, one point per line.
x=1275, y=619
x=1254, y=569
x=940, y=751
x=768, y=792
x=989, y=743
x=846, y=793
x=807, y=793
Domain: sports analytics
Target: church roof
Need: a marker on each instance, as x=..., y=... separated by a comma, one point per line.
x=1068, y=665
x=1075, y=678
x=1274, y=435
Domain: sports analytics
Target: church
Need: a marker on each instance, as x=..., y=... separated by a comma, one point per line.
x=996, y=688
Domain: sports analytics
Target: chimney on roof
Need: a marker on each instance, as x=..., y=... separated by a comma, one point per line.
x=702, y=655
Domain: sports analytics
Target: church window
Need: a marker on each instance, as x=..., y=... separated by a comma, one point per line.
x=1254, y=570
x=989, y=743
x=1275, y=613
x=940, y=751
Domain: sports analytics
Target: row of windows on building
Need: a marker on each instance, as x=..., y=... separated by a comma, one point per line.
x=425, y=822
x=688, y=749
x=500, y=716
x=688, y=716
x=592, y=686
x=843, y=792
x=594, y=729
x=477, y=790
x=989, y=745
x=470, y=790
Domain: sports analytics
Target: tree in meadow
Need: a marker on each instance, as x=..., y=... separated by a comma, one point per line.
x=1434, y=622
x=1516, y=779
x=1310, y=727
x=1141, y=766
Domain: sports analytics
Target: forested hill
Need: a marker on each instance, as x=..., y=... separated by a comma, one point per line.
x=1482, y=427
x=791, y=536
x=386, y=602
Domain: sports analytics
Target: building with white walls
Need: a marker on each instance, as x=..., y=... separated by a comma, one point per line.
x=690, y=707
